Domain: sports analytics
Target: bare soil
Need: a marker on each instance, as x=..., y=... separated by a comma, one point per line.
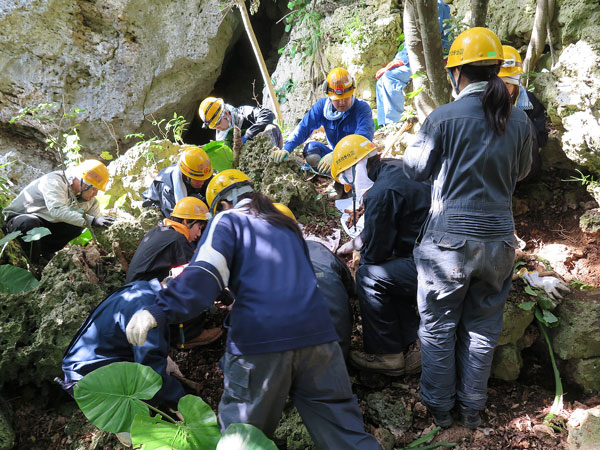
x=515, y=410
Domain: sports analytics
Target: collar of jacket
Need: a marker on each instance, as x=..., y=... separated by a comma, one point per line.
x=178, y=227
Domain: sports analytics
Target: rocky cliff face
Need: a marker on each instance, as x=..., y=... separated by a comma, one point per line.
x=122, y=61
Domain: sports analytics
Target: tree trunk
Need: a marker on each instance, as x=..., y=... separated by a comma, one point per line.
x=259, y=58
x=478, y=12
x=432, y=50
x=424, y=102
x=544, y=12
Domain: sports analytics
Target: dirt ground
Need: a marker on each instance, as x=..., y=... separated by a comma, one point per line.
x=515, y=410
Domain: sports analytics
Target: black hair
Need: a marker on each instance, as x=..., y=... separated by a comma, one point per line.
x=495, y=98
x=262, y=206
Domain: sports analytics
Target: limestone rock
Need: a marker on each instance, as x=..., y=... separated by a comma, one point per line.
x=120, y=60
x=7, y=434
x=388, y=410
x=577, y=333
x=514, y=322
x=586, y=374
x=36, y=327
x=589, y=222
x=292, y=431
x=282, y=182
x=507, y=363
x=584, y=429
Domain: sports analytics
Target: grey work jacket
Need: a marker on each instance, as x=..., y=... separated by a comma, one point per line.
x=49, y=197
x=473, y=170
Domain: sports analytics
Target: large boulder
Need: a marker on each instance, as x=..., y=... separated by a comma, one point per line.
x=7, y=434
x=584, y=429
x=388, y=409
x=121, y=61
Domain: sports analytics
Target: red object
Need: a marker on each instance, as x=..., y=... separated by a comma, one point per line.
x=389, y=66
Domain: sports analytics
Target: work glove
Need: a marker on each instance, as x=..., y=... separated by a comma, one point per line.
x=325, y=163
x=350, y=246
x=551, y=285
x=103, y=221
x=138, y=327
x=279, y=155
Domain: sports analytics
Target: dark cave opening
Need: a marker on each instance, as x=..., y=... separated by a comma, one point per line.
x=240, y=82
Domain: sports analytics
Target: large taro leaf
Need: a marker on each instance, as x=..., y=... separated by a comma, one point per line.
x=199, y=431
x=110, y=397
x=14, y=280
x=35, y=234
x=242, y=436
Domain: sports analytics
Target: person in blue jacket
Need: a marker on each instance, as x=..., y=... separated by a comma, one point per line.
x=102, y=340
x=386, y=281
x=474, y=150
x=281, y=340
x=340, y=114
x=393, y=78
x=188, y=178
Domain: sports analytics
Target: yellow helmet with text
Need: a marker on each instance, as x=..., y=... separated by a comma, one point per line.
x=211, y=111
x=195, y=163
x=513, y=64
x=285, y=210
x=227, y=185
x=94, y=173
x=191, y=208
x=340, y=84
x=348, y=151
x=478, y=45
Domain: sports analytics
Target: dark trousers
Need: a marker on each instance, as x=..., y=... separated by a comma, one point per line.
x=387, y=295
x=47, y=246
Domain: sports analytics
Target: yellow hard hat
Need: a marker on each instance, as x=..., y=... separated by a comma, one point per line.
x=227, y=185
x=348, y=151
x=479, y=46
x=195, y=163
x=191, y=208
x=285, y=210
x=340, y=84
x=211, y=111
x=513, y=64
x=95, y=173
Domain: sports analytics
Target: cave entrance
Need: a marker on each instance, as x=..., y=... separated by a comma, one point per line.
x=240, y=82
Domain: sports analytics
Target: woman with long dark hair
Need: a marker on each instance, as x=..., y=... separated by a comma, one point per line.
x=474, y=150
x=281, y=339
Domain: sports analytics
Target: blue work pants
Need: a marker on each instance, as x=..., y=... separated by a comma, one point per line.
x=390, y=94
x=463, y=285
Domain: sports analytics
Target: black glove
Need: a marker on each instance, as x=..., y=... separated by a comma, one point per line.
x=103, y=221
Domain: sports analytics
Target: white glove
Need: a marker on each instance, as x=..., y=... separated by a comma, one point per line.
x=350, y=246
x=551, y=285
x=138, y=327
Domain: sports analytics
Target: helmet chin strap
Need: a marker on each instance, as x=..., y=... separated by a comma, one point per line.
x=455, y=83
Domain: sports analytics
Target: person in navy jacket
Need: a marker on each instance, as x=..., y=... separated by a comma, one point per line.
x=281, y=339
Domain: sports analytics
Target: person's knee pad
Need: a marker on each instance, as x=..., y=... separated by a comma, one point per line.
x=313, y=160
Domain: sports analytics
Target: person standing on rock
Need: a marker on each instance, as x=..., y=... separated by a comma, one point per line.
x=188, y=178
x=473, y=150
x=62, y=201
x=340, y=114
x=171, y=244
x=251, y=120
x=281, y=340
x=386, y=281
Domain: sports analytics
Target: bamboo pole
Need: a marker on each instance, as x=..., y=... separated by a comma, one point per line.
x=259, y=58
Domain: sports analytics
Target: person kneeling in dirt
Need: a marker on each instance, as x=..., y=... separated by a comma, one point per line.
x=335, y=283
x=102, y=340
x=188, y=178
x=251, y=120
x=169, y=245
x=386, y=281
x=62, y=201
x=281, y=340
x=340, y=114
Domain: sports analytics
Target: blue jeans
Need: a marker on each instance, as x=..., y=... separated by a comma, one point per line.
x=463, y=285
x=315, y=377
x=316, y=148
x=390, y=94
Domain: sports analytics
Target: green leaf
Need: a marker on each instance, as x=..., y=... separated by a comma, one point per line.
x=530, y=291
x=107, y=156
x=120, y=202
x=242, y=436
x=103, y=201
x=110, y=397
x=418, y=74
x=526, y=306
x=546, y=303
x=549, y=318
x=35, y=234
x=14, y=280
x=9, y=237
x=83, y=239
